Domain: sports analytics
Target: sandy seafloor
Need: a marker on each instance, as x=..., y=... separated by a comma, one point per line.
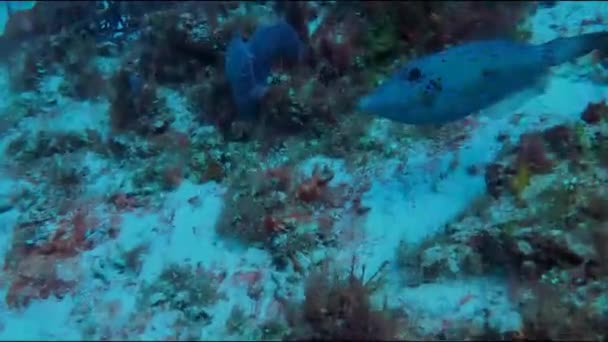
x=406, y=205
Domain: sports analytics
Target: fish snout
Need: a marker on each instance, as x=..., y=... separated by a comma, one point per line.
x=365, y=104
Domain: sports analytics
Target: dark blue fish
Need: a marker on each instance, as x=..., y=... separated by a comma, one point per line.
x=461, y=80
x=271, y=43
x=247, y=65
x=246, y=90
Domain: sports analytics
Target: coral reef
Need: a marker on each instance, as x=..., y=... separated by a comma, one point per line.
x=551, y=244
x=297, y=211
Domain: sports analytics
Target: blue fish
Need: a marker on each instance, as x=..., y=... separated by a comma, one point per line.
x=450, y=85
x=247, y=64
x=238, y=65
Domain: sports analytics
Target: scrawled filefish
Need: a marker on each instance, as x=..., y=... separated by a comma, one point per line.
x=449, y=85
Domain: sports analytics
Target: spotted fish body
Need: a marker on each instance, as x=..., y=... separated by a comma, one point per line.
x=461, y=80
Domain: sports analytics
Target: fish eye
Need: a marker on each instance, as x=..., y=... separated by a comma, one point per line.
x=414, y=75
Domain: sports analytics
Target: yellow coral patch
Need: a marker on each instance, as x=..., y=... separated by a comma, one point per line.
x=521, y=180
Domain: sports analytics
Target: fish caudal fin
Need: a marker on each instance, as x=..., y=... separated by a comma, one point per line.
x=562, y=50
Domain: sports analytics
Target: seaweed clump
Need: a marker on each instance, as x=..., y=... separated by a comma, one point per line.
x=341, y=308
x=135, y=104
x=285, y=211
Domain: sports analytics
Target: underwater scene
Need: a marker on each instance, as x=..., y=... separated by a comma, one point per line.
x=290, y=170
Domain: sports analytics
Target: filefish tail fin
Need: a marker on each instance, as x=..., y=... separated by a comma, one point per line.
x=562, y=50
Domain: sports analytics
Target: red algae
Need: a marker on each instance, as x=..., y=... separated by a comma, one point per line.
x=595, y=112
x=532, y=153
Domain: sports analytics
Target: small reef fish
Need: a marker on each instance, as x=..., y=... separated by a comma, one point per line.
x=450, y=85
x=247, y=64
